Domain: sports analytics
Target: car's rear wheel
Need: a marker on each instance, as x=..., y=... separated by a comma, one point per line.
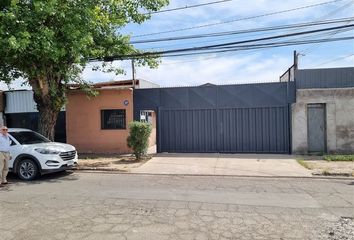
x=27, y=169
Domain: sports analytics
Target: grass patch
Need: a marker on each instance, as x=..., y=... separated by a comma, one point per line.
x=346, y=158
x=304, y=163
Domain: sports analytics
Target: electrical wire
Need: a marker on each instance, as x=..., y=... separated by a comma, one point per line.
x=227, y=33
x=119, y=57
x=332, y=13
x=188, y=7
x=258, y=46
x=334, y=60
x=239, y=19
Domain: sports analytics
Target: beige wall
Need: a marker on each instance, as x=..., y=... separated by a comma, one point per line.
x=83, y=121
x=339, y=118
x=152, y=138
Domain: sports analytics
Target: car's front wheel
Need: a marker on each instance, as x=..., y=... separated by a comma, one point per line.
x=27, y=169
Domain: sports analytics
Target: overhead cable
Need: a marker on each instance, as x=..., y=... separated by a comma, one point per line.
x=235, y=43
x=188, y=7
x=239, y=19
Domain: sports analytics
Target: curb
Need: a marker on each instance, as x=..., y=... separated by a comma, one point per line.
x=348, y=175
x=99, y=169
x=117, y=171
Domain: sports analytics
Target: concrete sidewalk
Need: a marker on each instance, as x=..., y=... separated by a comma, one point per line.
x=224, y=164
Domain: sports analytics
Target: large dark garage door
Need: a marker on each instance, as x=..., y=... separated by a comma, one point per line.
x=251, y=130
x=249, y=118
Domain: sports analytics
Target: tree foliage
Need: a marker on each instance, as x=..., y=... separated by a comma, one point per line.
x=48, y=43
x=138, y=140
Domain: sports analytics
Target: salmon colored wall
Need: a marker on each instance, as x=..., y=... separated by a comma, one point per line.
x=83, y=121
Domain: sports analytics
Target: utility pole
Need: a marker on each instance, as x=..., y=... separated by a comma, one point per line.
x=133, y=73
x=296, y=60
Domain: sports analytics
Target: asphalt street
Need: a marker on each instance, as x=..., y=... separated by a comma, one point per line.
x=96, y=206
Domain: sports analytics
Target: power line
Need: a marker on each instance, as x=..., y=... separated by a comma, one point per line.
x=332, y=13
x=218, y=39
x=188, y=7
x=232, y=52
x=334, y=60
x=227, y=46
x=264, y=29
x=258, y=46
x=111, y=58
x=239, y=19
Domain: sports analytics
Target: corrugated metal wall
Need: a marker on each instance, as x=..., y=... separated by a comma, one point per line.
x=20, y=102
x=188, y=130
x=325, y=78
x=254, y=130
x=229, y=118
x=230, y=130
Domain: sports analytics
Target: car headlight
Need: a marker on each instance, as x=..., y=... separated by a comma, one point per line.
x=46, y=151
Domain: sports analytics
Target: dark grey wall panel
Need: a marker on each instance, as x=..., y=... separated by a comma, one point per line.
x=228, y=118
x=254, y=130
x=325, y=78
x=232, y=130
x=188, y=130
x=222, y=96
x=202, y=97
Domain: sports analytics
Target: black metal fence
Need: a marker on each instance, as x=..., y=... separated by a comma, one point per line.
x=30, y=121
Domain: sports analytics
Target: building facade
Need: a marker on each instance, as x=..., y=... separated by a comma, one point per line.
x=100, y=124
x=323, y=115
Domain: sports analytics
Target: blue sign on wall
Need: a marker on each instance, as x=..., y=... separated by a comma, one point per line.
x=126, y=102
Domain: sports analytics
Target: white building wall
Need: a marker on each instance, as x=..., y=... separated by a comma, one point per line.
x=147, y=84
x=20, y=102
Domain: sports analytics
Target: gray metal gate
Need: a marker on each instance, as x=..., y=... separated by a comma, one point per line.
x=249, y=118
x=229, y=130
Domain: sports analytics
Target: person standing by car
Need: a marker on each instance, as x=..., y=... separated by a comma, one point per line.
x=4, y=155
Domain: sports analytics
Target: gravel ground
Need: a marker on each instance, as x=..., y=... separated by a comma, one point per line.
x=117, y=163
x=343, y=229
x=321, y=167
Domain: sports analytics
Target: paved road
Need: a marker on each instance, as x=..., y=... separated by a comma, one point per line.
x=110, y=206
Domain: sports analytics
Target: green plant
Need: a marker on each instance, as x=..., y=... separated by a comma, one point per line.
x=339, y=157
x=138, y=139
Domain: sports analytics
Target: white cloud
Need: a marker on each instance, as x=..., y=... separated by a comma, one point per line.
x=223, y=70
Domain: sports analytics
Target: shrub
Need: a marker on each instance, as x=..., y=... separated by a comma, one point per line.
x=339, y=157
x=138, y=139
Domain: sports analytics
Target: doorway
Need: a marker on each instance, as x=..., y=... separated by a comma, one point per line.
x=316, y=128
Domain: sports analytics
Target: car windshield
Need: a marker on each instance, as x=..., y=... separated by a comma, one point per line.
x=29, y=137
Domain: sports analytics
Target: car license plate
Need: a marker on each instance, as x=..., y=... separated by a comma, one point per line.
x=70, y=162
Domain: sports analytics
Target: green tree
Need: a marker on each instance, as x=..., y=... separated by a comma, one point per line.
x=48, y=43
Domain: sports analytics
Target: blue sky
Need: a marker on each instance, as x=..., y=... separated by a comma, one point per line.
x=236, y=67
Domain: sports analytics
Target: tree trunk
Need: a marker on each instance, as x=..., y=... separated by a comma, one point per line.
x=47, y=120
x=50, y=97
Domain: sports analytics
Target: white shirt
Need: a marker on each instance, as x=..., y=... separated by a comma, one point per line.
x=4, y=143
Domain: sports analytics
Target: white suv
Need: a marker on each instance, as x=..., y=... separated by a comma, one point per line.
x=32, y=154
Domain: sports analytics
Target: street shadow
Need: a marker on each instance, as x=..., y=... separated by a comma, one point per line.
x=351, y=183
x=67, y=175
